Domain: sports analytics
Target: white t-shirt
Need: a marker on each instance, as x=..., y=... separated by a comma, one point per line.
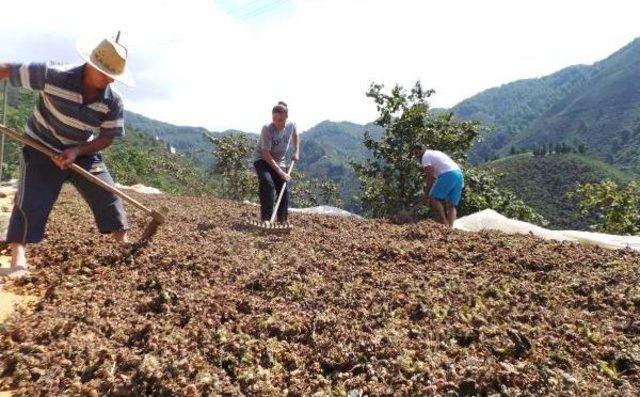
x=440, y=162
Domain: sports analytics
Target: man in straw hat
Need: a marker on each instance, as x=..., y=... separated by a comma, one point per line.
x=77, y=115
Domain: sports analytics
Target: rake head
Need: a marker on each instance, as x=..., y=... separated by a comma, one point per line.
x=157, y=218
x=270, y=226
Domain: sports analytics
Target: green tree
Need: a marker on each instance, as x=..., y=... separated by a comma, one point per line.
x=311, y=192
x=138, y=158
x=617, y=207
x=392, y=180
x=483, y=190
x=232, y=153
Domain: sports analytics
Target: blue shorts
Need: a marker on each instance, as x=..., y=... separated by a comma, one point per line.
x=448, y=187
x=39, y=188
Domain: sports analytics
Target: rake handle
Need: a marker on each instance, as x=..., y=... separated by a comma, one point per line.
x=74, y=167
x=284, y=186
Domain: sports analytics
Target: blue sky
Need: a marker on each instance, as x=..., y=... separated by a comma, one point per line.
x=223, y=63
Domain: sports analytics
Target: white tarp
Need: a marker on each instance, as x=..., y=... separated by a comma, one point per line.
x=325, y=210
x=321, y=210
x=491, y=220
x=139, y=188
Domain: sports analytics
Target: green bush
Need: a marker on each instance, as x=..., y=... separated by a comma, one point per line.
x=617, y=207
x=392, y=179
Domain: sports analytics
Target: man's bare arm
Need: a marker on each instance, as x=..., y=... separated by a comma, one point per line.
x=4, y=72
x=68, y=156
x=429, y=178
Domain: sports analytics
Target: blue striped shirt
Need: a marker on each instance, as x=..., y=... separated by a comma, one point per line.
x=61, y=119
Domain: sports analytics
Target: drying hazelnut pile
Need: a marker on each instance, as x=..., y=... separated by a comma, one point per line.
x=337, y=307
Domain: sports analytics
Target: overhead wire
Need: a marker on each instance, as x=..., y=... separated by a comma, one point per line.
x=265, y=9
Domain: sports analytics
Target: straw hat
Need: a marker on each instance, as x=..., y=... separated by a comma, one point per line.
x=108, y=56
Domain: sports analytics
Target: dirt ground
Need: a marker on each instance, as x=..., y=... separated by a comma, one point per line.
x=339, y=307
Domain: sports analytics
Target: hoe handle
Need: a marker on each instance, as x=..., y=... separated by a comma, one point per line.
x=284, y=186
x=74, y=167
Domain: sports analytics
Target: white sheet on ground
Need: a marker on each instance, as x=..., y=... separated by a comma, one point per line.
x=491, y=220
x=324, y=210
x=139, y=188
x=321, y=210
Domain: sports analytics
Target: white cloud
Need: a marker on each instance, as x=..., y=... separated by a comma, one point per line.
x=196, y=64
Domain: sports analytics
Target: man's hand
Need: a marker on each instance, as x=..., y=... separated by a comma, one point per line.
x=284, y=176
x=66, y=158
x=296, y=157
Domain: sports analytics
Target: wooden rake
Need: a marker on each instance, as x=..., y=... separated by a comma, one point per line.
x=272, y=225
x=157, y=216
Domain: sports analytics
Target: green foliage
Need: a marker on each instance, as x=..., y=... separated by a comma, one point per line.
x=483, y=190
x=543, y=183
x=311, y=192
x=20, y=105
x=617, y=207
x=137, y=158
x=392, y=180
x=233, y=153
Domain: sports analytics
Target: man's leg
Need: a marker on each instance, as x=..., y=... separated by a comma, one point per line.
x=107, y=208
x=454, y=196
x=18, y=266
x=265, y=189
x=451, y=213
x=438, y=210
x=39, y=186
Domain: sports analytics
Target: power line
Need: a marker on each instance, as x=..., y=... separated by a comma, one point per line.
x=249, y=14
x=246, y=5
x=263, y=10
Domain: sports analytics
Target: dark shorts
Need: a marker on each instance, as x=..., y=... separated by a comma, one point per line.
x=40, y=185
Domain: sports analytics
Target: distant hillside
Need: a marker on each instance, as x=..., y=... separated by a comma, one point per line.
x=512, y=108
x=543, y=182
x=327, y=150
x=597, y=105
x=604, y=113
x=188, y=140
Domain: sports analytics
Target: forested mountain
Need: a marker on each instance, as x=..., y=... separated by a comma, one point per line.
x=596, y=105
x=512, y=108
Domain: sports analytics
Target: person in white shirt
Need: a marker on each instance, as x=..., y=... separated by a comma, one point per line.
x=443, y=183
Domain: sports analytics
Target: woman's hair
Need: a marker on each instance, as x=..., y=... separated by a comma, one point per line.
x=281, y=108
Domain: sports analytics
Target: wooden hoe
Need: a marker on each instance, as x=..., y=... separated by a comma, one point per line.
x=157, y=216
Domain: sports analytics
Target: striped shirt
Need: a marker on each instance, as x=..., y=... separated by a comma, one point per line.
x=61, y=118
